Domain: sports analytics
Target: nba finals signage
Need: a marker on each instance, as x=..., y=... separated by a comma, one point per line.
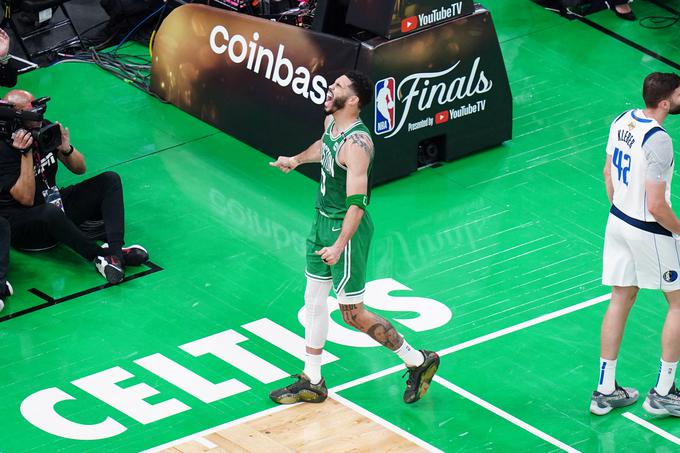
x=264, y=82
x=422, y=91
x=457, y=96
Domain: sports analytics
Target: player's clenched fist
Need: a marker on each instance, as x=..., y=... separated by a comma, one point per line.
x=285, y=164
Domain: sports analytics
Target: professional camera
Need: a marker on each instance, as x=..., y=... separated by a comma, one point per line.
x=46, y=135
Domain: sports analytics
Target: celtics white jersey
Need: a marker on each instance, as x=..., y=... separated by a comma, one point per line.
x=629, y=167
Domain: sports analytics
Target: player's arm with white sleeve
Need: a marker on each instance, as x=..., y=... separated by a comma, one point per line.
x=659, y=152
x=310, y=155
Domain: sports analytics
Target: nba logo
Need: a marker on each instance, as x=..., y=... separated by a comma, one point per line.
x=384, y=106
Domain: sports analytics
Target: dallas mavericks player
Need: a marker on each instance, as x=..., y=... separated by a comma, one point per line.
x=640, y=247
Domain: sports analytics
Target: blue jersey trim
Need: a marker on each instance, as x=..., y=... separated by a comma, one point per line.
x=642, y=120
x=651, y=132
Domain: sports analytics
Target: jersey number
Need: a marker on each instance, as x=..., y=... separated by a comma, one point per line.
x=323, y=183
x=622, y=163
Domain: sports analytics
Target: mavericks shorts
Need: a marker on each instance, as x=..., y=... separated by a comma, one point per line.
x=349, y=273
x=634, y=257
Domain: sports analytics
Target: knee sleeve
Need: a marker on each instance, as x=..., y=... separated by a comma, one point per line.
x=316, y=312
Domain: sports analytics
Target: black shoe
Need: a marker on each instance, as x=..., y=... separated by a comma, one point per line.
x=5, y=291
x=301, y=390
x=630, y=15
x=420, y=377
x=135, y=255
x=111, y=268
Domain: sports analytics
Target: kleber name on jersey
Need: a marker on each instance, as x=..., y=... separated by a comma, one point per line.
x=428, y=99
x=412, y=23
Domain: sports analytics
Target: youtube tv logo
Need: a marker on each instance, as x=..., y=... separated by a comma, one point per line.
x=409, y=24
x=441, y=117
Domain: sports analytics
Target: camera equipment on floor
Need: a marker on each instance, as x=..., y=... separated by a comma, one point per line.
x=47, y=136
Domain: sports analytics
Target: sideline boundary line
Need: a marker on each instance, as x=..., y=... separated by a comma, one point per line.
x=653, y=428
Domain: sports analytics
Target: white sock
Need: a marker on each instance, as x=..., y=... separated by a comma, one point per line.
x=607, y=382
x=411, y=357
x=313, y=367
x=666, y=377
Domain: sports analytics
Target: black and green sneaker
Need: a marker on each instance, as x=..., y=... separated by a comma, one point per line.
x=419, y=377
x=301, y=391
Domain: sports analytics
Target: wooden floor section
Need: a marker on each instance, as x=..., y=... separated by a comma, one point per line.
x=328, y=427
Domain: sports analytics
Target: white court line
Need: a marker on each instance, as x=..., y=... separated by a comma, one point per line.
x=653, y=428
x=384, y=423
x=501, y=413
x=525, y=324
x=370, y=377
x=379, y=374
x=482, y=339
x=206, y=443
x=230, y=424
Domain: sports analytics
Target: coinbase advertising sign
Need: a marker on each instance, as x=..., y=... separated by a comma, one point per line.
x=265, y=82
x=261, y=82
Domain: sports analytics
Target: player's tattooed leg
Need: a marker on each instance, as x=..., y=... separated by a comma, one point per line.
x=377, y=327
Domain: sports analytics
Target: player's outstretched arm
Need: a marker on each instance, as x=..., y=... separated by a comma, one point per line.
x=310, y=155
x=659, y=208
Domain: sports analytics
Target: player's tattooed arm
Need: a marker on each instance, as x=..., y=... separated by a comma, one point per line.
x=363, y=142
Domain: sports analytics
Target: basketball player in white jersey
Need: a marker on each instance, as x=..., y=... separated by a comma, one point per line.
x=640, y=246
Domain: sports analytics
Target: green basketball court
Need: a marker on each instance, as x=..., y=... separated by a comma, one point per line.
x=493, y=260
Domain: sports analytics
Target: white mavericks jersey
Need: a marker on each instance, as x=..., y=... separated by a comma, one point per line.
x=628, y=133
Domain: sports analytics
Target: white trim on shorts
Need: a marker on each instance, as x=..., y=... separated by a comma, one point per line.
x=347, y=269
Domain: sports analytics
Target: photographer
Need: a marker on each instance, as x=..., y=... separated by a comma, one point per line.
x=40, y=214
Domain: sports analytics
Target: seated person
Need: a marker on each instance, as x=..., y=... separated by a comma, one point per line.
x=40, y=214
x=8, y=78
